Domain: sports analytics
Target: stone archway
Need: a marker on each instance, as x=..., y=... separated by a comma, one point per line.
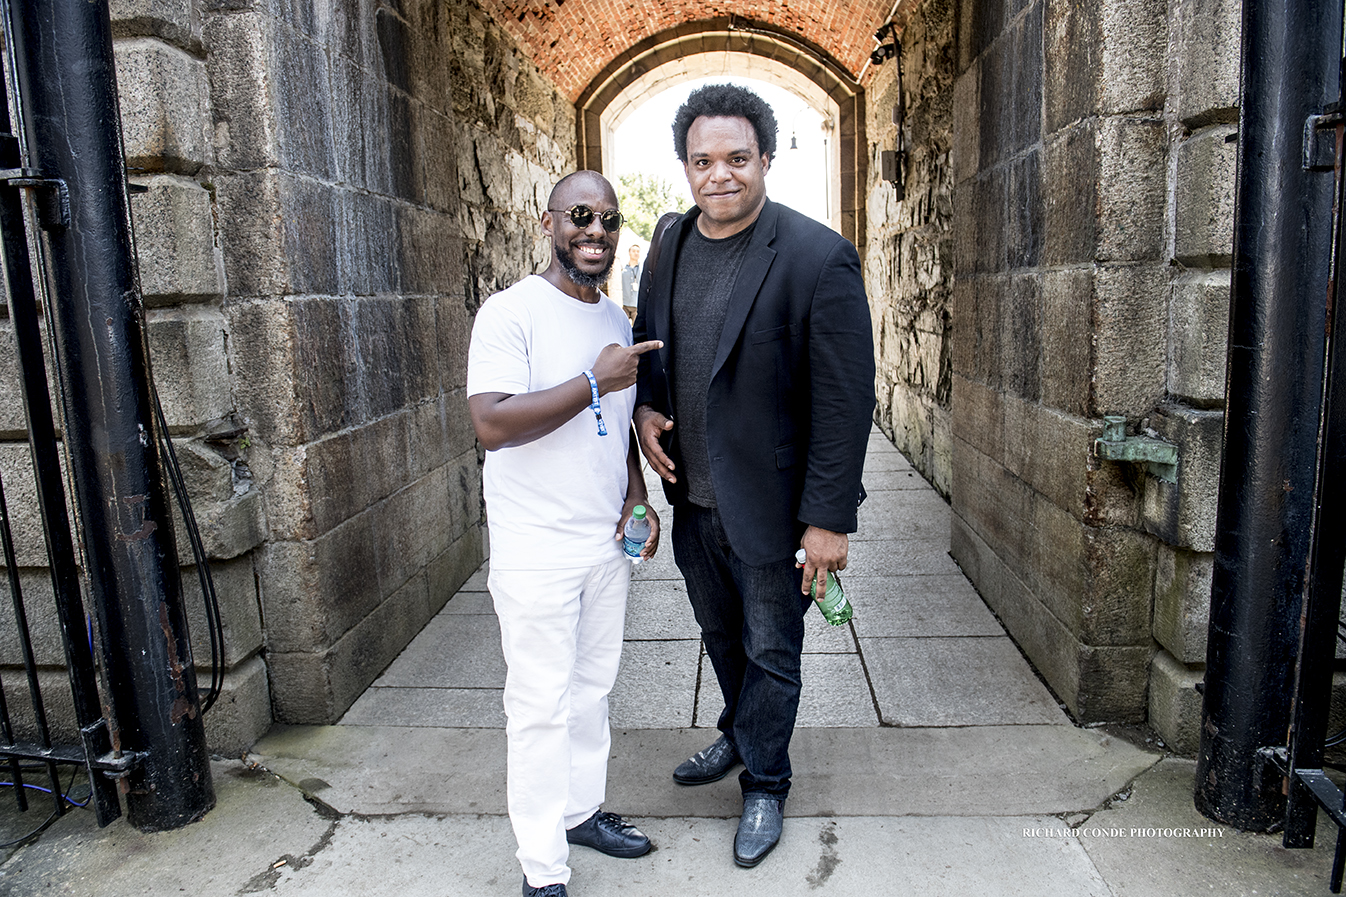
x=687, y=52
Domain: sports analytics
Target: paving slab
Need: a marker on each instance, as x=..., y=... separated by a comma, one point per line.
x=264, y=837
x=656, y=685
x=452, y=651
x=974, y=771
x=428, y=707
x=659, y=609
x=258, y=820
x=890, y=558
x=957, y=682
x=916, y=606
x=1155, y=842
x=903, y=514
x=836, y=693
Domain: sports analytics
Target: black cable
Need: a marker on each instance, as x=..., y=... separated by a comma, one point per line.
x=199, y=552
x=46, y=823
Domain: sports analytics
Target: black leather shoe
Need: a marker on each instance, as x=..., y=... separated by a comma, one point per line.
x=608, y=833
x=556, y=890
x=709, y=765
x=758, y=830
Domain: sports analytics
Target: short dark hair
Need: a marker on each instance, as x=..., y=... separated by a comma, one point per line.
x=725, y=101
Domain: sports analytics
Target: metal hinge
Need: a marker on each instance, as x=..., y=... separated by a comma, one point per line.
x=1320, y=140
x=1160, y=458
x=53, y=196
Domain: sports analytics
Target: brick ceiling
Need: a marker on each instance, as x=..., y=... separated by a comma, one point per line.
x=571, y=41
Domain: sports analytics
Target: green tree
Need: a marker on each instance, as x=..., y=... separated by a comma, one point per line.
x=644, y=197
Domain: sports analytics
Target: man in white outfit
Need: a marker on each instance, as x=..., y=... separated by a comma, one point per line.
x=550, y=383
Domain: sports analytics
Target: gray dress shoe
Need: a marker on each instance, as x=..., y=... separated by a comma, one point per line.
x=709, y=765
x=758, y=830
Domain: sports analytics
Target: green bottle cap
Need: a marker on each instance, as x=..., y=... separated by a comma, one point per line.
x=638, y=512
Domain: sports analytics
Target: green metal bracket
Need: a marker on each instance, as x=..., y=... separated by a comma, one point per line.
x=1160, y=458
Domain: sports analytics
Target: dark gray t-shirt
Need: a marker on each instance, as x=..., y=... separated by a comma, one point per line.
x=702, y=283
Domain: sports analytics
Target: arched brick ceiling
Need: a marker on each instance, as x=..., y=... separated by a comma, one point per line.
x=571, y=41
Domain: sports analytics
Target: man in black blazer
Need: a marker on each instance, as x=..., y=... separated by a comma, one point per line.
x=767, y=368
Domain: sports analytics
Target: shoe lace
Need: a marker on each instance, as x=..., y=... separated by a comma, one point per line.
x=613, y=821
x=557, y=890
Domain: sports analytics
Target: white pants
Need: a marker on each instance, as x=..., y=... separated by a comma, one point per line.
x=561, y=631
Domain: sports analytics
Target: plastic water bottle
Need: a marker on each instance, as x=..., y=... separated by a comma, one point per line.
x=636, y=533
x=836, y=609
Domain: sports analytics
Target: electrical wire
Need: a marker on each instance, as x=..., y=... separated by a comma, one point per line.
x=55, y=814
x=212, y=604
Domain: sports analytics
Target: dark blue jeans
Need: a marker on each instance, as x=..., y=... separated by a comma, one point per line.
x=752, y=624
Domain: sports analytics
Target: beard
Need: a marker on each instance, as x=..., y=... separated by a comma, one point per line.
x=578, y=277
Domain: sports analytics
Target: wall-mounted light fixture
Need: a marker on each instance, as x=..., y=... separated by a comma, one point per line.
x=888, y=45
x=892, y=163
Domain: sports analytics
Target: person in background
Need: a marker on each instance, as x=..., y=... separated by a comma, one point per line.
x=631, y=282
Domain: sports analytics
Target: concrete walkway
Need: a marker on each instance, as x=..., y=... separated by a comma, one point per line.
x=929, y=760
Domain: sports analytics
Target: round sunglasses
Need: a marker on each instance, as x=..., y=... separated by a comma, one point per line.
x=582, y=216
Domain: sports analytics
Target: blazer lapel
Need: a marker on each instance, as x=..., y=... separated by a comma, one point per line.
x=757, y=261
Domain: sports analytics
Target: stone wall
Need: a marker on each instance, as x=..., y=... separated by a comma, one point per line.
x=333, y=189
x=1061, y=315
x=1201, y=115
x=909, y=263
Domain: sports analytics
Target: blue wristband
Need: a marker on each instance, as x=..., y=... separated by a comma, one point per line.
x=594, y=404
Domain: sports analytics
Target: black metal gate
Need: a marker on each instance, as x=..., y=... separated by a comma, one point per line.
x=66, y=249
x=1302, y=763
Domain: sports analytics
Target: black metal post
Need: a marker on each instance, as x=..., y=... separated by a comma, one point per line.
x=1282, y=243
x=1322, y=609
x=67, y=84
x=23, y=313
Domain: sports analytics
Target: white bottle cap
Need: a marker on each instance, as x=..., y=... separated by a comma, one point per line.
x=801, y=556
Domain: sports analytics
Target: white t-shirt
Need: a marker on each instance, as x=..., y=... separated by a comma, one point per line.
x=556, y=501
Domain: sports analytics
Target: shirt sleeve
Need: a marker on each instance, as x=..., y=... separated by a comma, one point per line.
x=497, y=357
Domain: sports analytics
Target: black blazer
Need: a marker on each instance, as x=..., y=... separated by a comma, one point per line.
x=792, y=385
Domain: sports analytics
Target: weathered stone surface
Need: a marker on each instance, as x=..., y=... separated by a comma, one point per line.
x=44, y=627
x=177, y=21
x=179, y=255
x=238, y=64
x=1067, y=340
x=1184, y=514
x=1049, y=451
x=25, y=520
x=1205, y=60
x=1071, y=218
x=1095, y=683
x=1130, y=317
x=1175, y=704
x=1204, y=191
x=1020, y=339
x=191, y=368
x=240, y=614
x=1132, y=186
x=1199, y=327
x=966, y=142
x=314, y=592
x=1134, y=35
x=242, y=712
x=1182, y=602
x=162, y=97
x=309, y=688
x=980, y=417
x=1103, y=58
x=366, y=244
x=1097, y=580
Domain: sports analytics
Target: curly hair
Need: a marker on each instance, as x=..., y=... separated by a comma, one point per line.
x=730, y=101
